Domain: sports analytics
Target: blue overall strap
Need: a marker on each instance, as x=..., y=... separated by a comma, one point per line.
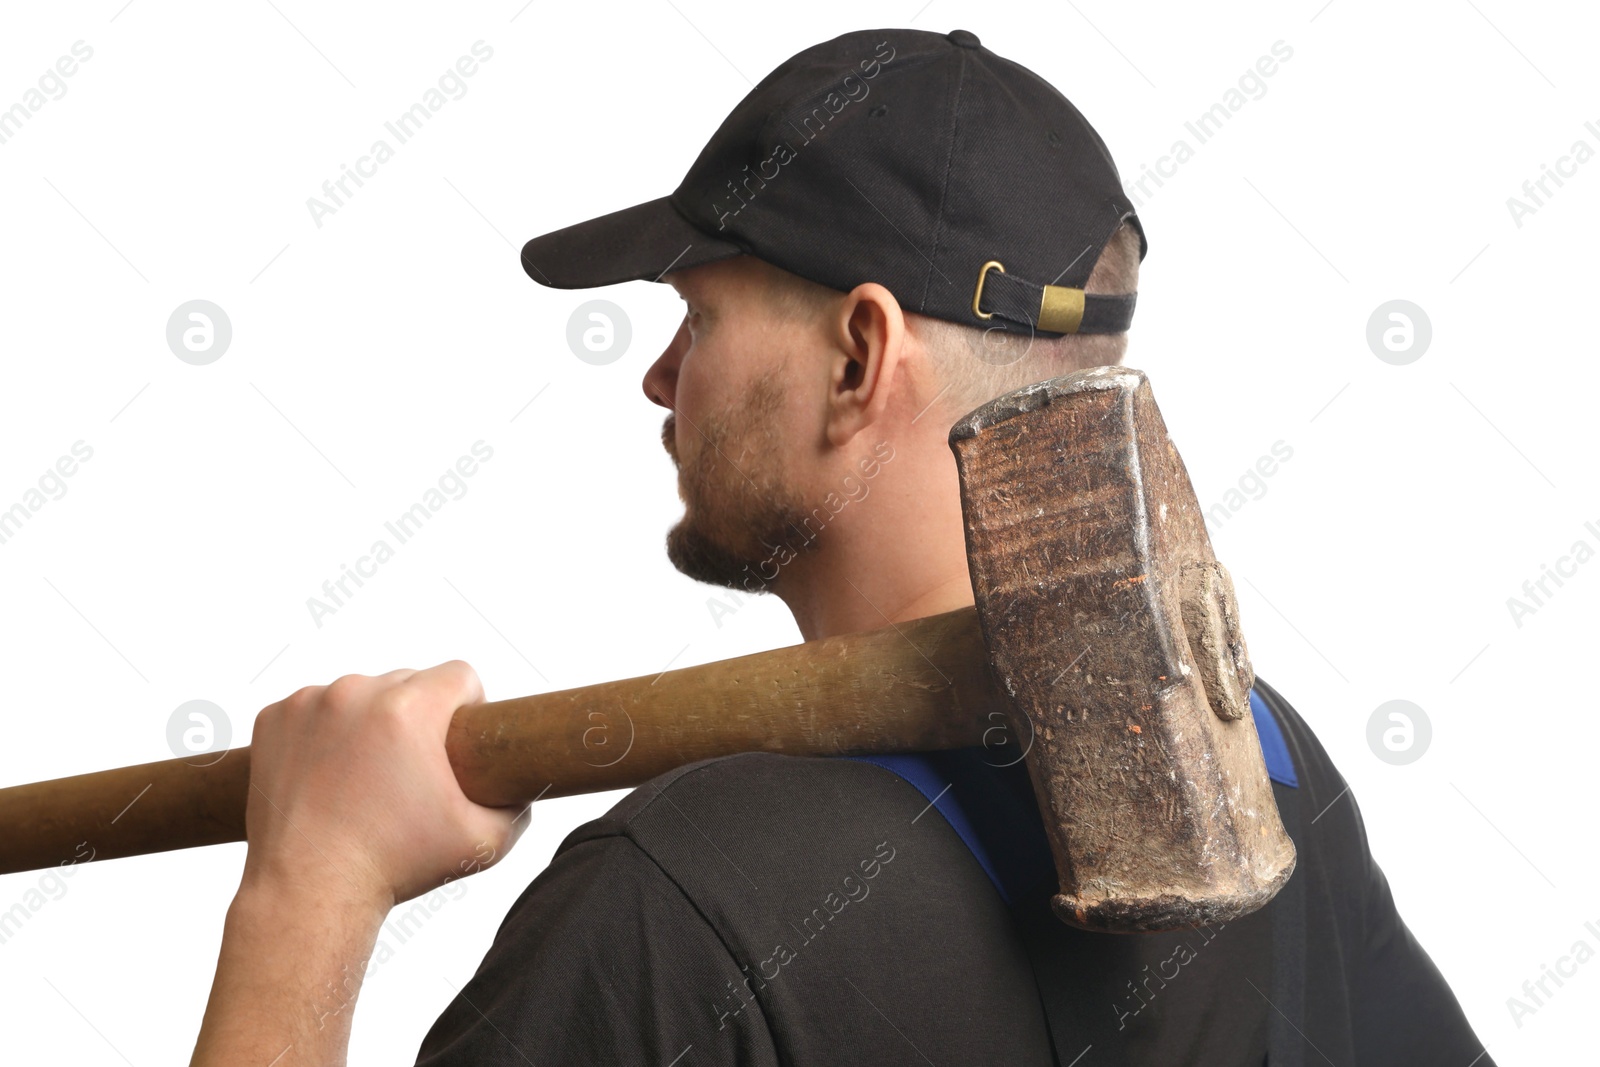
x=1280, y=767
x=961, y=786
x=919, y=770
x=993, y=812
x=1286, y=1044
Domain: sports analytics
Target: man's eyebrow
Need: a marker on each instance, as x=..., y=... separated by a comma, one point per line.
x=687, y=292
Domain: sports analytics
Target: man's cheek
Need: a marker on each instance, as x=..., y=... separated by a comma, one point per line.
x=689, y=404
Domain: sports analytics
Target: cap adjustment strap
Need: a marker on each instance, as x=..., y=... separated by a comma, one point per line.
x=1051, y=308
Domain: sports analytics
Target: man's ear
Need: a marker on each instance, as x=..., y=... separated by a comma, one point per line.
x=869, y=341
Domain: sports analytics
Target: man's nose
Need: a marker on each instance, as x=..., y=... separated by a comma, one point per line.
x=661, y=380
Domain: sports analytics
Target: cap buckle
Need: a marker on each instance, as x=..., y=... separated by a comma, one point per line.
x=977, y=293
x=1060, y=309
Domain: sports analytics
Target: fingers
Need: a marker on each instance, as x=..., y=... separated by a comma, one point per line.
x=453, y=682
x=360, y=766
x=520, y=821
x=499, y=828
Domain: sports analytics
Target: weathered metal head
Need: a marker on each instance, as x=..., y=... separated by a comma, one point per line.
x=1115, y=632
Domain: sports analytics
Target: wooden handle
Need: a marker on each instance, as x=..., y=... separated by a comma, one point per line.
x=918, y=687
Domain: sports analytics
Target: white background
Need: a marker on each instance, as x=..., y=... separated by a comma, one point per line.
x=369, y=353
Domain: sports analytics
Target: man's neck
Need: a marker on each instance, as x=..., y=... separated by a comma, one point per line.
x=896, y=554
x=859, y=603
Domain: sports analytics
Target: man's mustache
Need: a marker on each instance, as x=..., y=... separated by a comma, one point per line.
x=669, y=436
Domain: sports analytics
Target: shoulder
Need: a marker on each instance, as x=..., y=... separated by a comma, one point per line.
x=1322, y=815
x=1376, y=991
x=802, y=870
x=1340, y=878
x=1319, y=781
x=749, y=836
x=750, y=792
x=762, y=908
x=604, y=958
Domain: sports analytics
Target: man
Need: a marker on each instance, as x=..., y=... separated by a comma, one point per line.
x=828, y=244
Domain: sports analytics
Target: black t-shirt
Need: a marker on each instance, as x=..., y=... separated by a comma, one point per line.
x=764, y=910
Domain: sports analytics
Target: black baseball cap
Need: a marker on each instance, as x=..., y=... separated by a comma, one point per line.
x=960, y=180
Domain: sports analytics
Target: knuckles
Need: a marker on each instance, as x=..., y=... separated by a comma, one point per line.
x=301, y=698
x=398, y=702
x=353, y=697
x=465, y=671
x=345, y=694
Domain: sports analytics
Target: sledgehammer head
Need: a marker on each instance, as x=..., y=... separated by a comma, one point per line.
x=1114, y=630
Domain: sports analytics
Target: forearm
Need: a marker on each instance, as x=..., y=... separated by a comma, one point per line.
x=289, y=971
x=357, y=771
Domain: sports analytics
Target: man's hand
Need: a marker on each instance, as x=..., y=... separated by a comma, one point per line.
x=353, y=808
x=350, y=789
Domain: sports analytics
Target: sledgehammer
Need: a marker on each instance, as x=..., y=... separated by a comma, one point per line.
x=1104, y=640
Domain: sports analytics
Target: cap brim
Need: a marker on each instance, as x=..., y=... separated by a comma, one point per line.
x=640, y=242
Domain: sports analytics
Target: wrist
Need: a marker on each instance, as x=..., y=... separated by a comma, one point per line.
x=296, y=946
x=278, y=898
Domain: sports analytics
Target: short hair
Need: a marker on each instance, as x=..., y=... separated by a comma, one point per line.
x=976, y=364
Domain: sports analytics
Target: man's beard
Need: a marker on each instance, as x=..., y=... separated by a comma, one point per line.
x=741, y=520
